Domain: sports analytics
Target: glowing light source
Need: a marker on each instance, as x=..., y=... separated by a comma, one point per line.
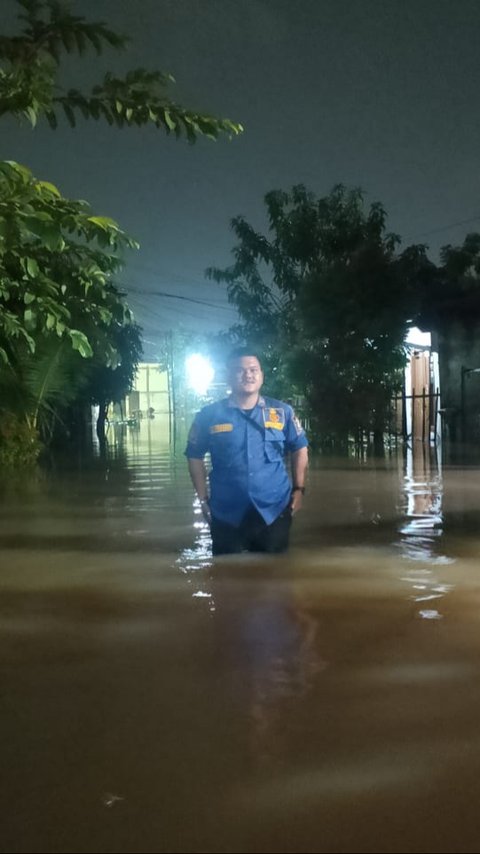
x=418, y=338
x=200, y=373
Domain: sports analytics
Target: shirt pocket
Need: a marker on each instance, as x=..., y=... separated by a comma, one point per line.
x=222, y=448
x=274, y=445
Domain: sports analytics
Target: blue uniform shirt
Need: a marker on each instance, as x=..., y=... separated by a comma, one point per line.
x=247, y=452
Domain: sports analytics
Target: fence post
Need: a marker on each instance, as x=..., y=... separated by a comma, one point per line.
x=423, y=414
x=413, y=415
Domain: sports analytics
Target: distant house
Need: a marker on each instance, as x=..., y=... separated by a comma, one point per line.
x=151, y=390
x=422, y=410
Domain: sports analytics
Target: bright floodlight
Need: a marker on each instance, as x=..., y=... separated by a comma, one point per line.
x=418, y=338
x=199, y=373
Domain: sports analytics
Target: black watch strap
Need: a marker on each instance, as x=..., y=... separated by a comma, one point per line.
x=299, y=489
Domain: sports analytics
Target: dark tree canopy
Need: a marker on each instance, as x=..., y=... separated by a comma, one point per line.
x=30, y=66
x=326, y=296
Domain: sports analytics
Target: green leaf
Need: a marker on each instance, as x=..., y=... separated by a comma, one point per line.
x=81, y=343
x=104, y=222
x=10, y=167
x=69, y=114
x=28, y=338
x=49, y=187
x=48, y=232
x=51, y=119
x=81, y=42
x=31, y=115
x=68, y=39
x=108, y=114
x=105, y=315
x=169, y=121
x=94, y=107
x=32, y=267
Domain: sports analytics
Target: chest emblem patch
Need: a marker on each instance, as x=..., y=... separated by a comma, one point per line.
x=273, y=418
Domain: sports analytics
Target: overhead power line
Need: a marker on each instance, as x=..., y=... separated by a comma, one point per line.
x=147, y=293
x=443, y=228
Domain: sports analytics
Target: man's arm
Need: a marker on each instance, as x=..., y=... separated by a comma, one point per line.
x=299, y=470
x=198, y=474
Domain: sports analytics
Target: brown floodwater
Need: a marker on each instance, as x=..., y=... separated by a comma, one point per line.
x=323, y=701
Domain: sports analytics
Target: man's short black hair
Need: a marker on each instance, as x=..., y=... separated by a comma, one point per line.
x=241, y=352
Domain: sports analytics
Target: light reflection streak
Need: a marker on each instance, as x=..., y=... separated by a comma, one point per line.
x=421, y=531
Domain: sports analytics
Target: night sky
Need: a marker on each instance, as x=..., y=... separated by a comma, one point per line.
x=382, y=94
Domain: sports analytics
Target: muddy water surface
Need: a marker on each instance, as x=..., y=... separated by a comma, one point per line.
x=328, y=700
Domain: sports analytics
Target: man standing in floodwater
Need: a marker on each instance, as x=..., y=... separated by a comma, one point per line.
x=251, y=500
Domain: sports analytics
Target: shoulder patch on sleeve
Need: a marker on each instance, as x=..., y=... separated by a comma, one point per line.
x=296, y=424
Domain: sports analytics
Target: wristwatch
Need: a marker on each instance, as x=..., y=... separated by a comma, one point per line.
x=299, y=489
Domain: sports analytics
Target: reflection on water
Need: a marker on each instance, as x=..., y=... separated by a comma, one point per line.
x=422, y=505
x=422, y=528
x=266, y=639
x=199, y=555
x=156, y=700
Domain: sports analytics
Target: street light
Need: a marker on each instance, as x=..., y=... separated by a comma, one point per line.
x=200, y=373
x=463, y=373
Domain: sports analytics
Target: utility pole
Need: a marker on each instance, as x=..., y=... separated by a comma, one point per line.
x=463, y=413
x=171, y=383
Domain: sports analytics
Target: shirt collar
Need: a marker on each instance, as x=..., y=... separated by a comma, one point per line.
x=260, y=402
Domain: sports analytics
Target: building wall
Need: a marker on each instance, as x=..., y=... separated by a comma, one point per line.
x=151, y=390
x=460, y=349
x=422, y=402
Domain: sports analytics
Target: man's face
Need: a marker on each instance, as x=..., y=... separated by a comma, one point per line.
x=245, y=375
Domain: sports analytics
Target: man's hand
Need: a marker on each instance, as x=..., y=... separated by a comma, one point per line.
x=206, y=510
x=299, y=469
x=296, y=501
